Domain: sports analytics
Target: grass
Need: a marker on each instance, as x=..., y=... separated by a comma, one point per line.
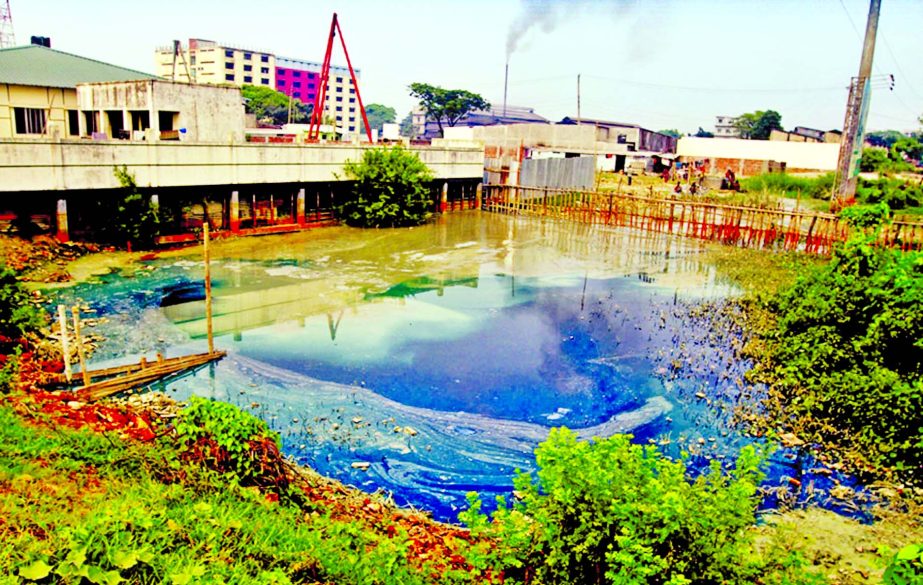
x=76, y=504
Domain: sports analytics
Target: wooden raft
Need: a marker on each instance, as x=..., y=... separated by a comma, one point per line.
x=121, y=378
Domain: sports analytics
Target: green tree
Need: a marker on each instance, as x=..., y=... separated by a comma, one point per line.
x=390, y=189
x=702, y=133
x=446, y=106
x=906, y=148
x=884, y=138
x=873, y=160
x=379, y=114
x=671, y=132
x=272, y=107
x=407, y=125
x=759, y=124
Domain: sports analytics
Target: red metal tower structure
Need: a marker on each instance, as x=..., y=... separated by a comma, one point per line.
x=7, y=38
x=317, y=116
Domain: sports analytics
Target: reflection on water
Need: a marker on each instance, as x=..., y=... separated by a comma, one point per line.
x=440, y=355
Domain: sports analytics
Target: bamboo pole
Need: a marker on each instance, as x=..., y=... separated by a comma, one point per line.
x=208, y=293
x=65, y=346
x=80, y=351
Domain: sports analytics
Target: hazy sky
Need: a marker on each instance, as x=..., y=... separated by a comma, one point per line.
x=660, y=63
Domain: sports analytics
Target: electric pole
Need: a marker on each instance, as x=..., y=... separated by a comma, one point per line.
x=857, y=107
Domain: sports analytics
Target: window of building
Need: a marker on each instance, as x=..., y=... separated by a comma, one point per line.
x=229, y=77
x=339, y=80
x=92, y=122
x=339, y=98
x=229, y=53
x=310, y=86
x=339, y=89
x=351, y=90
x=264, y=81
x=352, y=100
x=248, y=56
x=296, y=73
x=228, y=65
x=296, y=83
x=264, y=58
x=339, y=108
x=73, y=122
x=29, y=120
x=264, y=70
x=248, y=79
x=352, y=128
x=248, y=67
x=192, y=60
x=339, y=118
x=352, y=118
x=280, y=82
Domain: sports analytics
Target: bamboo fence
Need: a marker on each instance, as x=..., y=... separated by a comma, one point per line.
x=730, y=224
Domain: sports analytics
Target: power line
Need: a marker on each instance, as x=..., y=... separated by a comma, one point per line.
x=718, y=89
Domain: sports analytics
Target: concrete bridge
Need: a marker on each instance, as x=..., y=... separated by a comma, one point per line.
x=250, y=184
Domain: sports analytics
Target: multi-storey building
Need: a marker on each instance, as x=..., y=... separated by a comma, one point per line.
x=213, y=63
x=301, y=79
x=726, y=127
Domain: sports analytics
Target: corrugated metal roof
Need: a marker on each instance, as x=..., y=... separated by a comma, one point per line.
x=44, y=67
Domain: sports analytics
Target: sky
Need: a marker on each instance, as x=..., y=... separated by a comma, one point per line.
x=658, y=63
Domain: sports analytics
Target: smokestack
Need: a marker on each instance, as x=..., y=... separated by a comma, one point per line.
x=506, y=78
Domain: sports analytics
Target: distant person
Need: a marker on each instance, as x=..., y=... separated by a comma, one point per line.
x=678, y=188
x=693, y=188
x=666, y=174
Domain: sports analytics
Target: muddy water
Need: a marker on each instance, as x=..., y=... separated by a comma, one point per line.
x=431, y=361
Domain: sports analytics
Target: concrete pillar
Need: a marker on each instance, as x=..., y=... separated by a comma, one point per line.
x=478, y=195
x=234, y=215
x=103, y=120
x=299, y=216
x=81, y=123
x=61, y=233
x=126, y=122
x=444, y=202
x=272, y=210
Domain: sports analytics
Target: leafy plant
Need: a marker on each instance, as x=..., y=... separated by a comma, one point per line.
x=844, y=359
x=18, y=318
x=130, y=218
x=609, y=511
x=906, y=567
x=390, y=189
x=896, y=193
x=224, y=438
x=446, y=106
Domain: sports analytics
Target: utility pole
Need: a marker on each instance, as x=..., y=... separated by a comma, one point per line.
x=857, y=107
x=578, y=99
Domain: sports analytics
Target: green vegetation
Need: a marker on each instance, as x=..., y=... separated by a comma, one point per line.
x=390, y=189
x=906, y=568
x=132, y=220
x=273, y=107
x=900, y=155
x=843, y=358
x=18, y=319
x=609, y=511
x=446, y=106
x=671, y=132
x=759, y=124
x=791, y=186
x=379, y=114
x=896, y=193
x=80, y=507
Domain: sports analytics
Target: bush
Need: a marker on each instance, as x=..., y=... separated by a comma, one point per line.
x=897, y=194
x=133, y=219
x=844, y=359
x=390, y=189
x=226, y=439
x=18, y=318
x=609, y=511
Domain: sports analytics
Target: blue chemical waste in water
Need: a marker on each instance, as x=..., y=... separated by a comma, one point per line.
x=428, y=388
